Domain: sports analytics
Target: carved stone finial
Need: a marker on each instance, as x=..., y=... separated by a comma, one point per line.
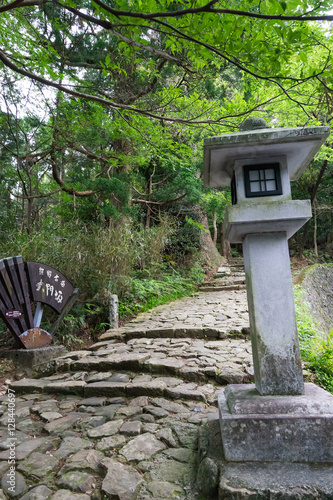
x=252, y=123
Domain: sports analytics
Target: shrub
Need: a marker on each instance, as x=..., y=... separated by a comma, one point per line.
x=316, y=350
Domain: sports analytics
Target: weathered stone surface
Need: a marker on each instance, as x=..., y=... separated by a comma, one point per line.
x=90, y=422
x=77, y=481
x=94, y=401
x=29, y=426
x=181, y=454
x=187, y=434
x=68, y=387
x=208, y=477
x=131, y=428
x=167, y=437
x=153, y=388
x=38, y=493
x=276, y=481
x=69, y=495
x=50, y=415
x=71, y=445
x=105, y=389
x=13, y=487
x=275, y=341
x=24, y=449
x=163, y=489
x=84, y=460
x=121, y=481
x=142, y=447
x=127, y=361
x=6, y=438
x=145, y=417
x=180, y=393
x=156, y=412
x=170, y=406
x=169, y=365
x=108, y=429
x=304, y=424
x=110, y=442
x=172, y=471
x=27, y=384
x=38, y=464
x=122, y=378
x=60, y=425
x=230, y=375
x=129, y=411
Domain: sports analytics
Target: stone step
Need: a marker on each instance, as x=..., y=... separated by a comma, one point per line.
x=166, y=380
x=239, y=280
x=197, y=332
x=223, y=287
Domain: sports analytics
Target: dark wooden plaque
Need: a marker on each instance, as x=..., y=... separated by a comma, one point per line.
x=47, y=285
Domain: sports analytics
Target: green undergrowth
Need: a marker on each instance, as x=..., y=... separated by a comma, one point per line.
x=143, y=293
x=316, y=347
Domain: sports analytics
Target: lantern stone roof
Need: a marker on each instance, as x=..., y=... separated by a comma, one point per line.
x=299, y=145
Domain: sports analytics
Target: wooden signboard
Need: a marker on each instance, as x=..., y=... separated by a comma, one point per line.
x=48, y=286
x=21, y=284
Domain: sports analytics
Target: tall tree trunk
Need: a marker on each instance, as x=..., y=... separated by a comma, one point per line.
x=313, y=197
x=224, y=244
x=315, y=229
x=208, y=248
x=215, y=228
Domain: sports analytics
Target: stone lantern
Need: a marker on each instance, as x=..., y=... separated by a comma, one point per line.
x=267, y=421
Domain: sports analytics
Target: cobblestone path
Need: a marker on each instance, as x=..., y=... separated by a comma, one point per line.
x=124, y=420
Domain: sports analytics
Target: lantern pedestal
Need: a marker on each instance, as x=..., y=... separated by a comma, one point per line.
x=276, y=428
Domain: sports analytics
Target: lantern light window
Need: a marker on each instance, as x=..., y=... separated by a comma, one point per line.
x=262, y=180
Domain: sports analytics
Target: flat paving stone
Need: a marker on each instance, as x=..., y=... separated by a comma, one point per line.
x=69, y=495
x=77, y=481
x=71, y=445
x=121, y=481
x=142, y=447
x=107, y=429
x=38, y=465
x=110, y=442
x=38, y=493
x=60, y=425
x=85, y=460
x=14, y=488
x=163, y=489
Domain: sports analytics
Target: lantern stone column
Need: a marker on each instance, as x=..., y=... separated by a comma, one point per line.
x=275, y=346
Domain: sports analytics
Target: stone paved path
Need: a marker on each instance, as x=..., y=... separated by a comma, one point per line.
x=124, y=420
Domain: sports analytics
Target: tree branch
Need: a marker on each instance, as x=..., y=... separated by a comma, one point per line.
x=159, y=203
x=29, y=197
x=208, y=9
x=21, y=3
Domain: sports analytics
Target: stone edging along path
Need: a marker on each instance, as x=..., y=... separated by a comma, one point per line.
x=125, y=419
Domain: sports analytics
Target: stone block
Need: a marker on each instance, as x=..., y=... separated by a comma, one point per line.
x=276, y=481
x=276, y=428
x=32, y=361
x=109, y=389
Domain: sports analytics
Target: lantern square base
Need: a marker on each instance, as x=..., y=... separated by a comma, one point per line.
x=260, y=428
